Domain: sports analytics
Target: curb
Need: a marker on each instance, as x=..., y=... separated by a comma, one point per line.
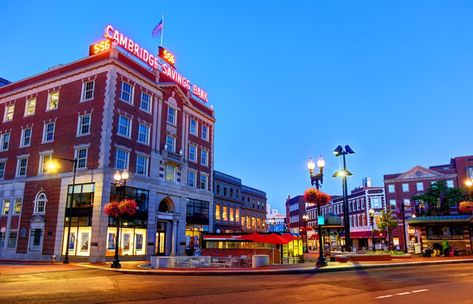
x=274, y=271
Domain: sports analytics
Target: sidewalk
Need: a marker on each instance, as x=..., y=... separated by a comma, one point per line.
x=142, y=267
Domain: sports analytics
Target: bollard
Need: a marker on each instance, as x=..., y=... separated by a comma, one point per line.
x=53, y=259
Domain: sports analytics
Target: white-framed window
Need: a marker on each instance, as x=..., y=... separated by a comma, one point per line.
x=450, y=183
x=170, y=173
x=204, y=180
x=30, y=106
x=145, y=102
x=142, y=164
x=88, y=90
x=48, y=132
x=53, y=101
x=6, y=207
x=193, y=126
x=392, y=204
x=391, y=189
x=192, y=153
x=143, y=133
x=121, y=159
x=204, y=157
x=81, y=156
x=9, y=110
x=170, y=143
x=376, y=202
x=17, y=206
x=124, y=126
x=420, y=186
x=5, y=141
x=191, y=178
x=3, y=164
x=40, y=202
x=126, y=93
x=43, y=160
x=407, y=202
x=22, y=166
x=469, y=172
x=12, y=238
x=405, y=187
x=171, y=118
x=26, y=137
x=205, y=132
x=83, y=124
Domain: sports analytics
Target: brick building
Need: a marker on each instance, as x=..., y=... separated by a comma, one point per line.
x=109, y=111
x=401, y=187
x=360, y=201
x=238, y=208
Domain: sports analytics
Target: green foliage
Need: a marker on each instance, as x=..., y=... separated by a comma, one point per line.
x=439, y=198
x=386, y=222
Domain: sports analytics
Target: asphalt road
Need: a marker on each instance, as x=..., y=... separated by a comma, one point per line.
x=422, y=284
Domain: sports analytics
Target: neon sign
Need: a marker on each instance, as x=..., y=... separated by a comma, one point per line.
x=166, y=67
x=167, y=56
x=99, y=47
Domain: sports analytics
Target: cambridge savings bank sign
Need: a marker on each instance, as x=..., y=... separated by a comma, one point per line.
x=163, y=62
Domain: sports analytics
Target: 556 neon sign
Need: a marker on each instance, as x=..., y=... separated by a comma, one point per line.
x=167, y=67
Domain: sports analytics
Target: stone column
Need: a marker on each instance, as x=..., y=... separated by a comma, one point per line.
x=174, y=236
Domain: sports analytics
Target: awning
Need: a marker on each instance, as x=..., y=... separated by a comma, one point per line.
x=271, y=238
x=365, y=234
x=441, y=219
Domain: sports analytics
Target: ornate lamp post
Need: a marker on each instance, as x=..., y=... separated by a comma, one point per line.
x=403, y=214
x=371, y=212
x=344, y=173
x=305, y=217
x=317, y=180
x=120, y=189
x=469, y=184
x=52, y=166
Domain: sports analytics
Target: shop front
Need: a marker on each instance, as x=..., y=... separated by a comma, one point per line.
x=197, y=224
x=440, y=232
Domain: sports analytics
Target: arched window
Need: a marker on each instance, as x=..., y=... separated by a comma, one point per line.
x=40, y=202
x=163, y=206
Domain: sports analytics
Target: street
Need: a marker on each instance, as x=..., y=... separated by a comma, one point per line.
x=71, y=284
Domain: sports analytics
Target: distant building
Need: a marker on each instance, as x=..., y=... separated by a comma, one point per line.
x=295, y=209
x=238, y=208
x=275, y=221
x=401, y=187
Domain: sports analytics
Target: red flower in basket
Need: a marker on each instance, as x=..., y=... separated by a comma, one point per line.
x=466, y=207
x=112, y=209
x=316, y=197
x=128, y=207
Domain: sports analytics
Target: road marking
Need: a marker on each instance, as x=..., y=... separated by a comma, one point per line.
x=382, y=297
x=403, y=293
x=419, y=290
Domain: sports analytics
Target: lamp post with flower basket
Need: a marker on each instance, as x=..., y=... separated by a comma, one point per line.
x=120, y=208
x=316, y=197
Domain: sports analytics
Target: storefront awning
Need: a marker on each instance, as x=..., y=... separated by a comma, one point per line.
x=441, y=219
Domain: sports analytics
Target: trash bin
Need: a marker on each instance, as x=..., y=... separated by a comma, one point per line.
x=259, y=260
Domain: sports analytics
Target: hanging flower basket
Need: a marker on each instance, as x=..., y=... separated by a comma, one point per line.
x=117, y=209
x=316, y=197
x=466, y=207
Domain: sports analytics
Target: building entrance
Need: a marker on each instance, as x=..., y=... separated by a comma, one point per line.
x=161, y=238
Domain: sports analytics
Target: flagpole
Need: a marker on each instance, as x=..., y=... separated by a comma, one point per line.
x=162, y=30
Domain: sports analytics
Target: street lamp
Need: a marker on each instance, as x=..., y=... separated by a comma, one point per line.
x=344, y=173
x=305, y=217
x=317, y=180
x=53, y=166
x=403, y=214
x=120, y=189
x=371, y=212
x=469, y=184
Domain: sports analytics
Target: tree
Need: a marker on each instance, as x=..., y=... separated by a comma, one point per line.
x=386, y=222
x=440, y=198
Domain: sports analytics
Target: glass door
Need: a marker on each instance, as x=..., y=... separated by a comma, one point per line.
x=161, y=238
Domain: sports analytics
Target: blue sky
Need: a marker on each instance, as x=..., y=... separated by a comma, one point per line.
x=289, y=79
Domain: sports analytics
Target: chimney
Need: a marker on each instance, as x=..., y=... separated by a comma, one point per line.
x=366, y=181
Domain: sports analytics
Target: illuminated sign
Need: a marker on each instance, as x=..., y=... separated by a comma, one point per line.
x=99, y=47
x=167, y=56
x=166, y=67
